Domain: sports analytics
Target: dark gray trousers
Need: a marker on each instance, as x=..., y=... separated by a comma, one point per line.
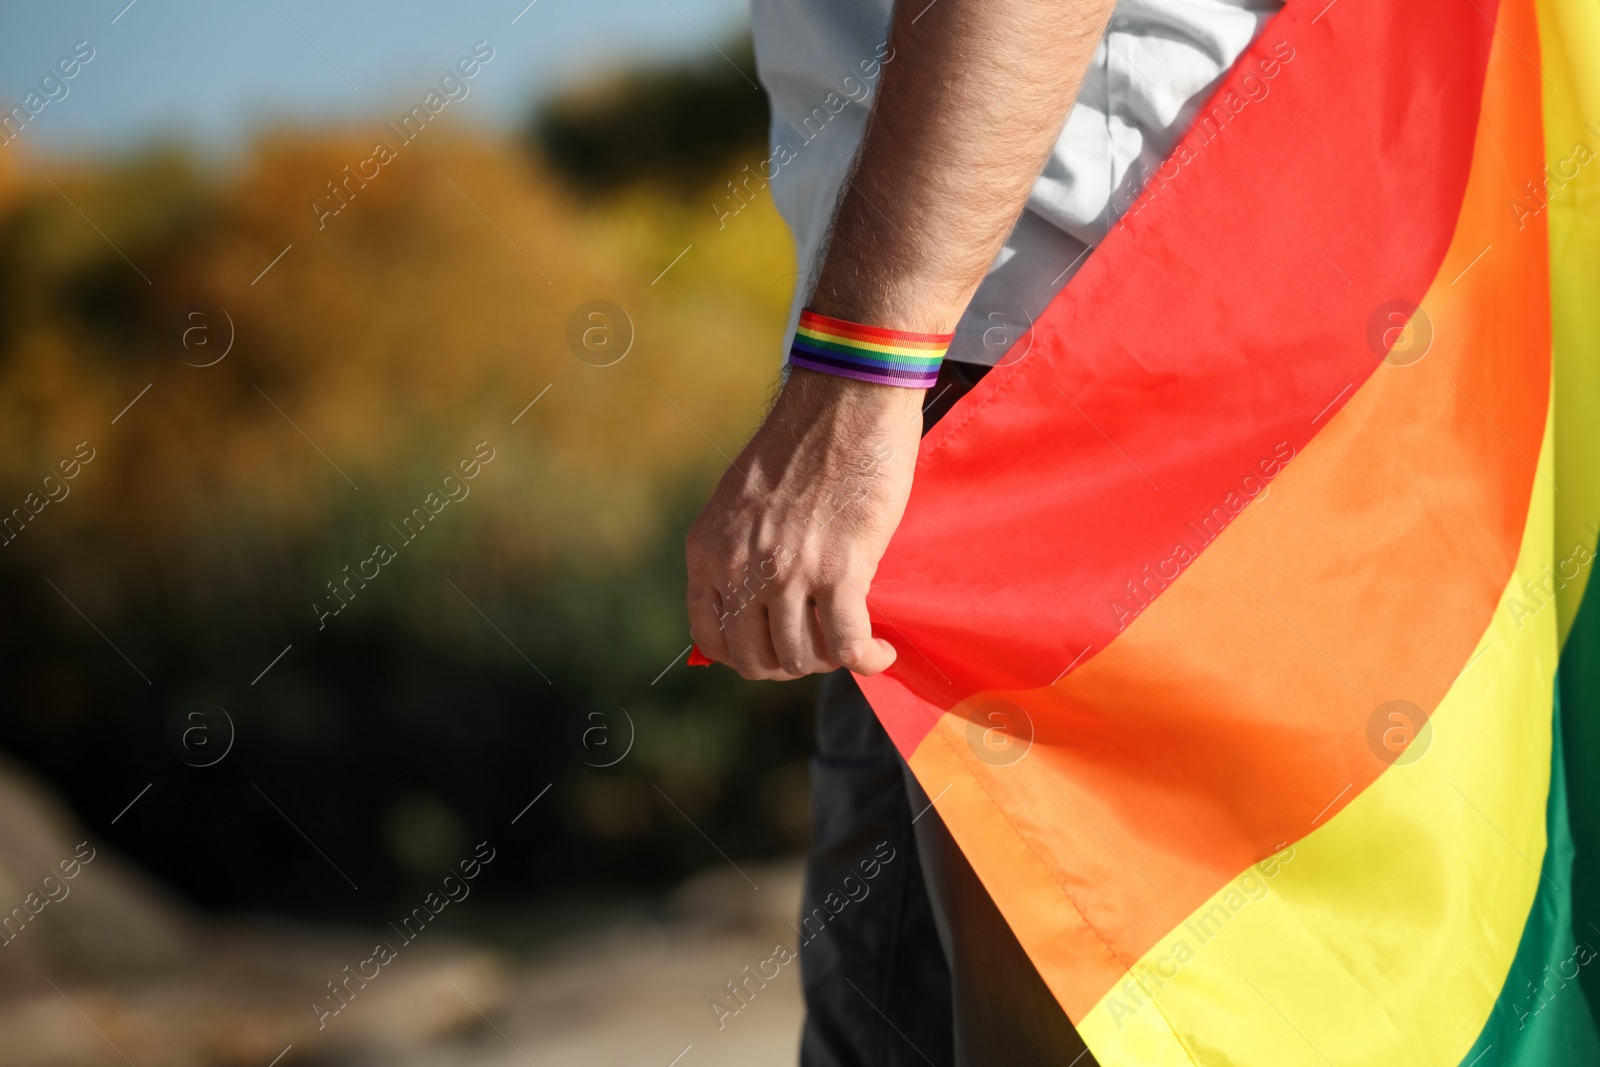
x=904, y=958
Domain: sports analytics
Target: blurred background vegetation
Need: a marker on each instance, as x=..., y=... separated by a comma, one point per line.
x=411, y=326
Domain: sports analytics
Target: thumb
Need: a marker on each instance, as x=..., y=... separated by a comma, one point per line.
x=873, y=657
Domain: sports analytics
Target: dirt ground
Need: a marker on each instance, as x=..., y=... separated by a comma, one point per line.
x=637, y=993
x=116, y=971
x=631, y=992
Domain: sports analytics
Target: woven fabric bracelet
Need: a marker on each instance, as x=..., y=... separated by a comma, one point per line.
x=868, y=353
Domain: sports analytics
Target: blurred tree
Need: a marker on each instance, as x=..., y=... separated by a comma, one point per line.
x=420, y=320
x=678, y=126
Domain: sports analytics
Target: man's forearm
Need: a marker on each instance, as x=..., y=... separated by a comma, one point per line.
x=964, y=120
x=965, y=116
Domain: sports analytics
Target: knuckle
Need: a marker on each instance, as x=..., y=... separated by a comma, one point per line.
x=697, y=543
x=850, y=653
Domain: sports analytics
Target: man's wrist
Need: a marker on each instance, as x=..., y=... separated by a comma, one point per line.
x=867, y=352
x=884, y=307
x=814, y=391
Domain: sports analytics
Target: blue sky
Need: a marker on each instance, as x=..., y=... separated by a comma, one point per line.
x=210, y=72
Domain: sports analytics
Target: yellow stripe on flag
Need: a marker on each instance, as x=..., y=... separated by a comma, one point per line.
x=1385, y=936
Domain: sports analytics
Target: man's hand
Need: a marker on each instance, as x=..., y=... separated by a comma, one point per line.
x=781, y=558
x=967, y=110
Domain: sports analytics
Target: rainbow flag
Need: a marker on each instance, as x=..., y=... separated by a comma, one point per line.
x=1241, y=625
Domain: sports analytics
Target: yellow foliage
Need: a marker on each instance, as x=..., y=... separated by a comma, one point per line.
x=418, y=320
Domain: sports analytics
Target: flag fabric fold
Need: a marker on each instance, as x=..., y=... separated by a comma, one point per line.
x=1263, y=697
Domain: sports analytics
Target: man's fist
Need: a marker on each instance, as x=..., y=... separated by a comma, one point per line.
x=781, y=558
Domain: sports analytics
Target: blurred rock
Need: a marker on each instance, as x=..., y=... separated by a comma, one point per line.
x=248, y=999
x=107, y=921
x=116, y=964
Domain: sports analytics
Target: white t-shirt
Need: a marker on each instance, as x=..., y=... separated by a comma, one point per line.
x=820, y=61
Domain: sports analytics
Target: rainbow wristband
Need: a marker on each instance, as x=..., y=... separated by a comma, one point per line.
x=868, y=353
